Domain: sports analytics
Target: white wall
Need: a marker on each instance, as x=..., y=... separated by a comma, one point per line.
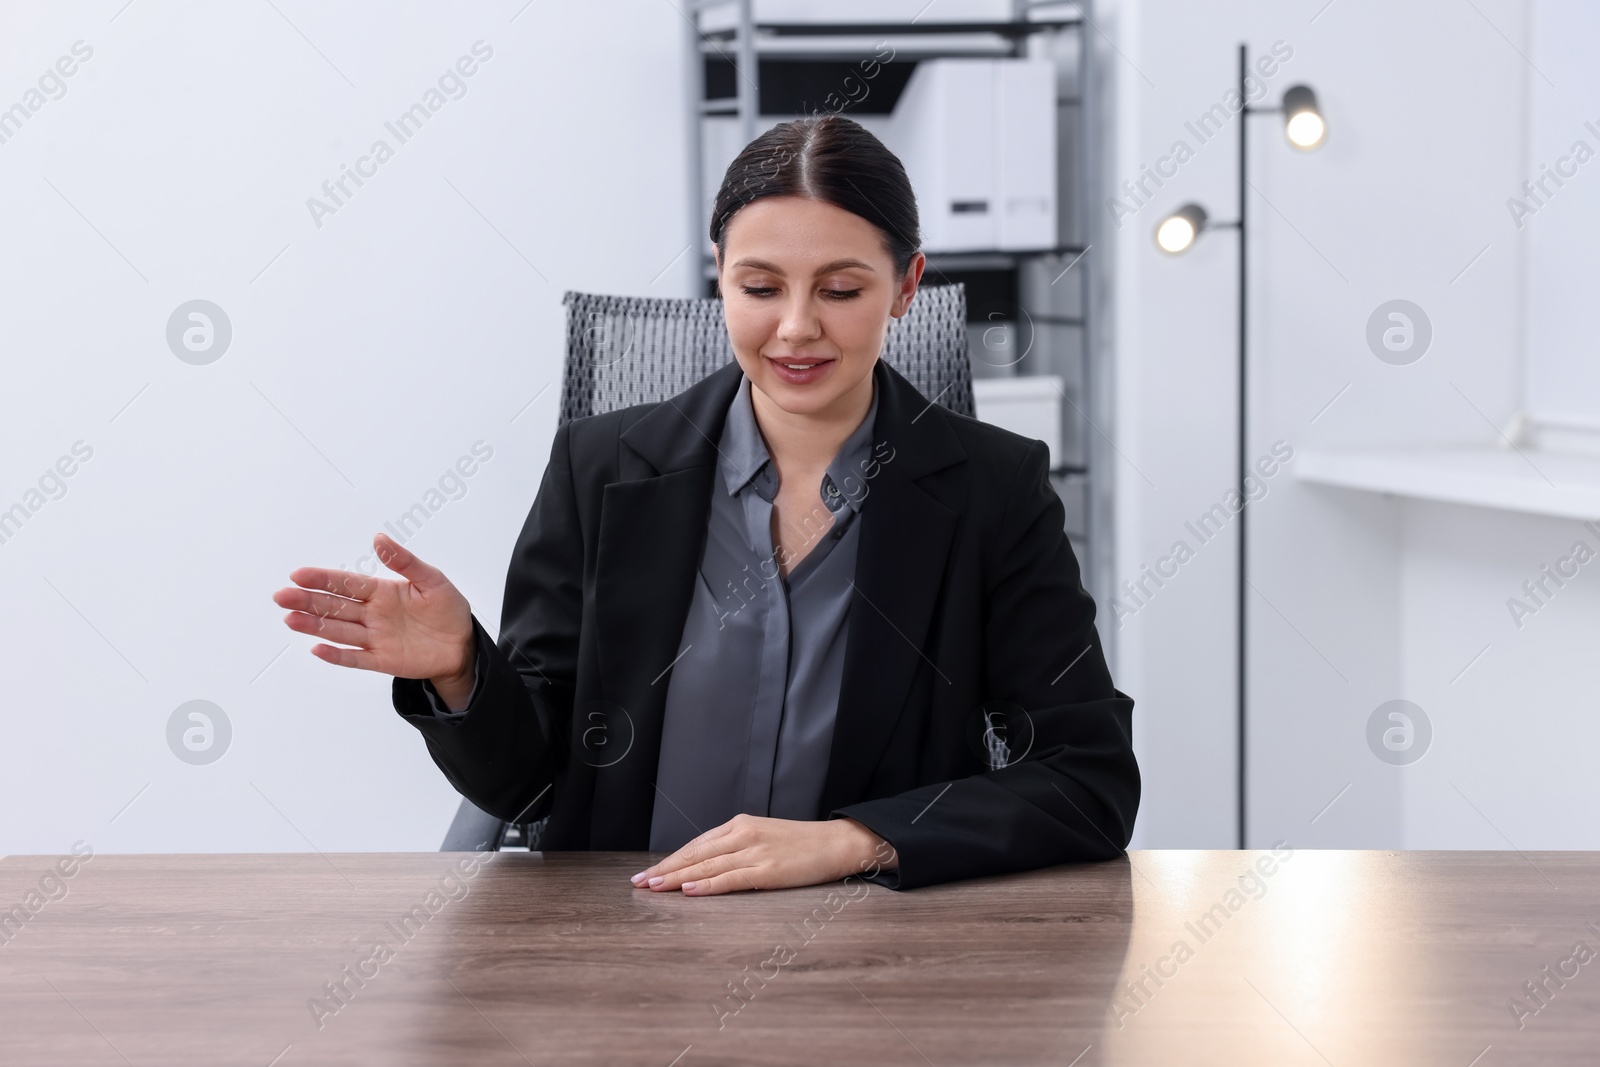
x=1513, y=733
x=1513, y=725
x=368, y=355
x=1361, y=599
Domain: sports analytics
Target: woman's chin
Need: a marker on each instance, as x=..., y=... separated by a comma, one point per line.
x=800, y=400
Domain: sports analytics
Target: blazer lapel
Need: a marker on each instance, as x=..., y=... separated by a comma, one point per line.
x=905, y=540
x=652, y=532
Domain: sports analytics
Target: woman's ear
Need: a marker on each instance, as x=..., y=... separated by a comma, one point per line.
x=908, y=285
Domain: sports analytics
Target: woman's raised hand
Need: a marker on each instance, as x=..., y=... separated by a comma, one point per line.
x=418, y=627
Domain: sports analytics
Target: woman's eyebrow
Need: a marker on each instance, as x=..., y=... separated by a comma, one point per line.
x=838, y=264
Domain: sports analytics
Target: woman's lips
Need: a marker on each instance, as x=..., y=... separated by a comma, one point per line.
x=814, y=369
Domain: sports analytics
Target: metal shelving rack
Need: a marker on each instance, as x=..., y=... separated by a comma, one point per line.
x=1084, y=479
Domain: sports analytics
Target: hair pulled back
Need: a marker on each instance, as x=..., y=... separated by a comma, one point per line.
x=828, y=158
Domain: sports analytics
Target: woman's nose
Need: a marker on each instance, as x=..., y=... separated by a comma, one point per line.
x=799, y=323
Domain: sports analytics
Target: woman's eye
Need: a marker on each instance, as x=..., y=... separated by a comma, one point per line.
x=832, y=294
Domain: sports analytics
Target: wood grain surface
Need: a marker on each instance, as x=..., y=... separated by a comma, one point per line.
x=1303, y=957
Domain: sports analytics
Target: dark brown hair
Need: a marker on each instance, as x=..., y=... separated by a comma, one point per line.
x=828, y=158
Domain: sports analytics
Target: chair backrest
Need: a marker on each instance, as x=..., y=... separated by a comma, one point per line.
x=625, y=350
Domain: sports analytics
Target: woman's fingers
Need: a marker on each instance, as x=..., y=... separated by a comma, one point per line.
x=329, y=629
x=343, y=583
x=404, y=562
x=697, y=851
x=322, y=605
x=415, y=627
x=694, y=851
x=757, y=852
x=728, y=863
x=729, y=882
x=346, y=657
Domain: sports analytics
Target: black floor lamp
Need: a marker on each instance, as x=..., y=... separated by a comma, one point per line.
x=1304, y=127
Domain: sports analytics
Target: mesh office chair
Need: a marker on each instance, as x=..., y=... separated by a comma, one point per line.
x=625, y=350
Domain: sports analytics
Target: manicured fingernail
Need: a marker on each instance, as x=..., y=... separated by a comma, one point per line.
x=688, y=887
x=657, y=880
x=636, y=879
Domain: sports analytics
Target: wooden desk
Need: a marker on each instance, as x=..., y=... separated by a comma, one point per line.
x=1343, y=958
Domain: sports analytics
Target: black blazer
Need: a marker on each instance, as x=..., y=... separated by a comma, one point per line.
x=969, y=598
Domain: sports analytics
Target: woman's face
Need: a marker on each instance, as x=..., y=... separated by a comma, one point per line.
x=808, y=290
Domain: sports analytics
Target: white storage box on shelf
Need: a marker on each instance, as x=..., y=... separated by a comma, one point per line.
x=1027, y=404
x=978, y=140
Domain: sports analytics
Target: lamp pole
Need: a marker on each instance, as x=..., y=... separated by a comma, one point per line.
x=1242, y=365
x=1175, y=234
x=1243, y=471
x=1242, y=368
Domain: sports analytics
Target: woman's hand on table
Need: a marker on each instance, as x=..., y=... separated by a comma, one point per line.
x=752, y=852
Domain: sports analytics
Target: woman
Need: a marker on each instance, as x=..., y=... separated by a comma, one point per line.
x=765, y=626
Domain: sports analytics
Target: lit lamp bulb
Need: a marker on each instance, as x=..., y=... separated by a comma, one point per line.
x=1175, y=234
x=1302, y=119
x=1178, y=230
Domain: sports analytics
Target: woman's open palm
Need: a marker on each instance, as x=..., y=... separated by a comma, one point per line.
x=417, y=627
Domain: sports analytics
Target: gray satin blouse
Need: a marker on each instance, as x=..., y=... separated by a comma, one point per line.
x=751, y=701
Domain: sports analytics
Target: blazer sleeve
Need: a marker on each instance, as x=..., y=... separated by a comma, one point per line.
x=1071, y=789
x=506, y=751
x=436, y=702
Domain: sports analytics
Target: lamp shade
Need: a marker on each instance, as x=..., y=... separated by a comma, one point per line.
x=1302, y=118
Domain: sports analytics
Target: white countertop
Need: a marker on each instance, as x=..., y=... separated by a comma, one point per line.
x=1527, y=480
